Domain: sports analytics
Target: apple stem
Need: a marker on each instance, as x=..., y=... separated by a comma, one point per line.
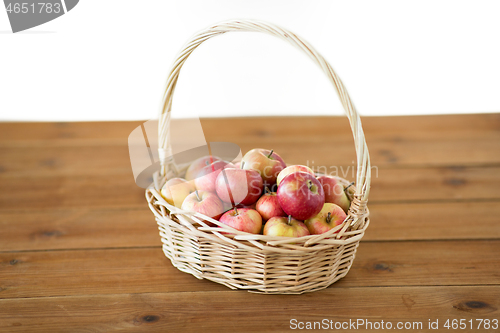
x=197, y=195
x=236, y=210
x=351, y=184
x=328, y=217
x=289, y=219
x=242, y=164
x=269, y=156
x=267, y=190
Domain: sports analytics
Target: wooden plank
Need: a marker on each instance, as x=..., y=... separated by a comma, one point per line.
x=79, y=228
x=447, y=183
x=113, y=271
x=119, y=190
x=323, y=154
x=76, y=272
x=434, y=221
x=60, y=152
x=74, y=161
x=384, y=127
x=425, y=264
x=15, y=133
x=241, y=311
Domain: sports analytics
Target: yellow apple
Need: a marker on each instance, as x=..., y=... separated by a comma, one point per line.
x=176, y=190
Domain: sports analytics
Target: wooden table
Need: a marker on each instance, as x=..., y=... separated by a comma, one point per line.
x=80, y=250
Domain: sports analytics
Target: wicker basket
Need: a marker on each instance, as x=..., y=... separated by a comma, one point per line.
x=258, y=263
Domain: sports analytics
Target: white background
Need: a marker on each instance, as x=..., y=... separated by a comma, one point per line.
x=108, y=60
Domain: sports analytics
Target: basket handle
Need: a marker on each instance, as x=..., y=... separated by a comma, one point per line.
x=363, y=176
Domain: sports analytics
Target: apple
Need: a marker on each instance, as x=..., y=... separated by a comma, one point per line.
x=334, y=192
x=268, y=206
x=291, y=169
x=266, y=162
x=238, y=186
x=205, y=179
x=243, y=219
x=285, y=226
x=198, y=164
x=300, y=194
x=176, y=190
x=330, y=216
x=203, y=202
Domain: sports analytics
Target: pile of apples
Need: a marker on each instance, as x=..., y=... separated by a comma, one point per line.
x=260, y=195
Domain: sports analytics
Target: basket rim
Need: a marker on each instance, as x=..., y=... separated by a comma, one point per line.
x=336, y=236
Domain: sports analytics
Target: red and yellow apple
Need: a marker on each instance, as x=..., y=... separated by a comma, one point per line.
x=330, y=216
x=243, y=219
x=291, y=169
x=238, y=186
x=285, y=227
x=266, y=162
x=300, y=194
x=334, y=191
x=205, y=179
x=198, y=164
x=176, y=190
x=268, y=206
x=203, y=202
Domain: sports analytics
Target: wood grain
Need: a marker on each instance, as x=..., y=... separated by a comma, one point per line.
x=230, y=311
x=101, y=148
x=119, y=190
x=425, y=264
x=81, y=228
x=88, y=159
x=80, y=250
x=470, y=125
x=46, y=133
x=434, y=221
x=114, y=271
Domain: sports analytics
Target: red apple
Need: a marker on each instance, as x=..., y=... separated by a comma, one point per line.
x=285, y=226
x=176, y=190
x=205, y=179
x=328, y=218
x=238, y=186
x=203, y=202
x=334, y=192
x=266, y=162
x=198, y=164
x=300, y=194
x=268, y=206
x=291, y=169
x=243, y=219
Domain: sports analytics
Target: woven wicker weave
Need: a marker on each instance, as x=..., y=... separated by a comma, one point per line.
x=241, y=260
